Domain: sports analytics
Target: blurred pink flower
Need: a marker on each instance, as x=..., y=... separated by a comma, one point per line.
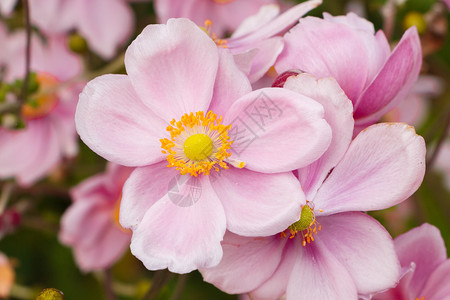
x=414, y=107
x=334, y=251
x=423, y=257
x=218, y=177
x=7, y=6
x=443, y=162
x=7, y=276
x=347, y=48
x=29, y=154
x=226, y=15
x=106, y=24
x=91, y=224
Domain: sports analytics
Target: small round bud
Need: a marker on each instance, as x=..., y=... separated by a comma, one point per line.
x=415, y=19
x=51, y=294
x=77, y=43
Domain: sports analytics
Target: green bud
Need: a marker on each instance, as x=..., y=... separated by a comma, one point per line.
x=415, y=19
x=306, y=218
x=51, y=294
x=77, y=43
x=33, y=84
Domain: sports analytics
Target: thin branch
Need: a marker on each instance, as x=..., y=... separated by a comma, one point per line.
x=439, y=143
x=23, y=94
x=159, y=280
x=180, y=286
x=107, y=283
x=6, y=194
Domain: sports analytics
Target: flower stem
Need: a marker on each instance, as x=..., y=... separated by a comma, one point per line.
x=23, y=94
x=159, y=280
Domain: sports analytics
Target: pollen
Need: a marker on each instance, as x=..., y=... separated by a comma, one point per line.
x=199, y=143
x=44, y=101
x=207, y=28
x=307, y=226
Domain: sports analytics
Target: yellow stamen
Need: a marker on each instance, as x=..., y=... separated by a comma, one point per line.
x=219, y=42
x=307, y=225
x=223, y=1
x=44, y=102
x=198, y=143
x=116, y=214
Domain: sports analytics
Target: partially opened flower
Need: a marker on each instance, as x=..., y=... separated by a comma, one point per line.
x=91, y=224
x=423, y=255
x=106, y=24
x=226, y=15
x=210, y=153
x=347, y=48
x=49, y=135
x=334, y=250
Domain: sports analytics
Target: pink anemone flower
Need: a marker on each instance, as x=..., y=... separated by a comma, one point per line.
x=226, y=15
x=49, y=135
x=423, y=254
x=347, y=48
x=106, y=24
x=209, y=153
x=333, y=250
x=91, y=224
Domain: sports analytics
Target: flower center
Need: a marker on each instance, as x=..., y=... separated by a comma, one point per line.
x=207, y=28
x=44, y=101
x=307, y=226
x=198, y=147
x=198, y=143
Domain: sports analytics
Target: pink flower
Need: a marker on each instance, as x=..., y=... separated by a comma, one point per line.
x=29, y=154
x=226, y=15
x=443, y=162
x=413, y=108
x=106, y=24
x=347, y=48
x=196, y=176
x=422, y=253
x=334, y=251
x=91, y=224
x=257, y=43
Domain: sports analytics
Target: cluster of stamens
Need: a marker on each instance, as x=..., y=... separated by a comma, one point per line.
x=197, y=144
x=219, y=42
x=307, y=226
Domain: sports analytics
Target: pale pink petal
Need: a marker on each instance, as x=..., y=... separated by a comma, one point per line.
x=277, y=25
x=426, y=258
x=437, y=287
x=243, y=256
x=352, y=20
x=144, y=187
x=7, y=6
x=109, y=247
x=265, y=14
x=258, y=204
x=53, y=16
x=443, y=163
x=276, y=285
x=399, y=73
x=29, y=154
x=244, y=60
x=277, y=130
x=338, y=114
x=325, y=49
x=182, y=238
x=114, y=123
x=106, y=24
x=317, y=274
x=173, y=68
x=231, y=84
x=116, y=177
x=268, y=52
x=383, y=166
x=364, y=248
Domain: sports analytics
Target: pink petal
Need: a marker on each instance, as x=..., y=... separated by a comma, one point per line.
x=182, y=238
x=338, y=114
x=267, y=123
x=399, y=74
x=258, y=204
x=53, y=16
x=231, y=84
x=265, y=14
x=383, y=166
x=364, y=248
x=109, y=247
x=29, y=154
x=243, y=256
x=7, y=6
x=437, y=287
x=277, y=25
x=106, y=24
x=114, y=123
x=265, y=58
x=317, y=274
x=276, y=285
x=324, y=48
x=173, y=68
x=427, y=257
x=144, y=187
